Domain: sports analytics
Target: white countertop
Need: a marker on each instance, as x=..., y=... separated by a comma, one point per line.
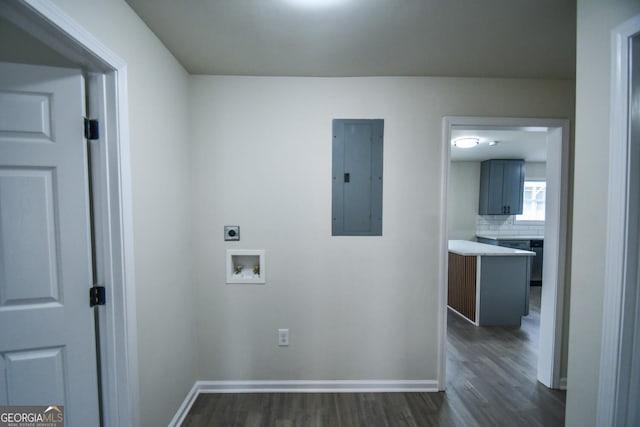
x=509, y=237
x=469, y=248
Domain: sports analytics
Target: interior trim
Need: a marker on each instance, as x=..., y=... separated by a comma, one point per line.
x=107, y=79
x=563, y=383
x=621, y=308
x=556, y=231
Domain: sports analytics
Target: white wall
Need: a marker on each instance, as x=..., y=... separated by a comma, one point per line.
x=159, y=135
x=464, y=193
x=535, y=170
x=596, y=19
x=357, y=307
x=16, y=45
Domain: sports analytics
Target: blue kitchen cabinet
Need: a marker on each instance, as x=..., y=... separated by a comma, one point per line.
x=501, y=187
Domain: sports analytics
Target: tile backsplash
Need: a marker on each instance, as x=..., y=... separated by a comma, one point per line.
x=506, y=225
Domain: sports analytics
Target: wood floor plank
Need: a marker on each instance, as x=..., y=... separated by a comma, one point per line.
x=491, y=381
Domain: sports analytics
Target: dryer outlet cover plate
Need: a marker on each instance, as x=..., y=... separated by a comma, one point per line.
x=231, y=232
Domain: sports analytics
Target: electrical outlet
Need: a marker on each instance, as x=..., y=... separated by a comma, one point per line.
x=283, y=337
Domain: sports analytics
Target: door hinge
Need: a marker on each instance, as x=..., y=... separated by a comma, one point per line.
x=91, y=129
x=97, y=296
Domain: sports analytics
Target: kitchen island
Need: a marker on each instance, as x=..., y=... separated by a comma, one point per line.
x=534, y=243
x=488, y=285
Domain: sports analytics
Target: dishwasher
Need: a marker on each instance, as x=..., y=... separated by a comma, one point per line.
x=536, y=263
x=534, y=245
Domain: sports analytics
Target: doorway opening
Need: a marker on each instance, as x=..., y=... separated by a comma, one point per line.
x=552, y=322
x=106, y=83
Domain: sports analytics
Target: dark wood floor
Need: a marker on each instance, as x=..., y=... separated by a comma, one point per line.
x=490, y=382
x=491, y=374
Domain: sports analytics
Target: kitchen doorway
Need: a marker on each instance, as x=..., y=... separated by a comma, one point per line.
x=553, y=327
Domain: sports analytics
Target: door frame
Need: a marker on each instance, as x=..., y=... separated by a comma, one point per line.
x=621, y=307
x=555, y=245
x=106, y=76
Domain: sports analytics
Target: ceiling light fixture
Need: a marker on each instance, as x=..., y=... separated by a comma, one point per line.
x=492, y=143
x=314, y=4
x=466, y=142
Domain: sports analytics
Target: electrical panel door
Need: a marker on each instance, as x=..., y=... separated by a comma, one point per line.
x=357, y=177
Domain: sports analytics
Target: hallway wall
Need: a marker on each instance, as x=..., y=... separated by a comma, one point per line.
x=159, y=135
x=357, y=308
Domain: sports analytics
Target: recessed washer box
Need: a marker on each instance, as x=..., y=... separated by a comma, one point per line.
x=246, y=266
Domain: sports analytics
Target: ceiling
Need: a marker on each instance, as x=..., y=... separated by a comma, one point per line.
x=457, y=38
x=511, y=144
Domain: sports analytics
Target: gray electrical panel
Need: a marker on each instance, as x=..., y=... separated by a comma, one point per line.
x=357, y=177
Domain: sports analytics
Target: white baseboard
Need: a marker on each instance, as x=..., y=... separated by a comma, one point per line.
x=184, y=409
x=563, y=383
x=462, y=315
x=346, y=386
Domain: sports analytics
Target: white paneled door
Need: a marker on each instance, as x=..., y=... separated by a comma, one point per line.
x=47, y=336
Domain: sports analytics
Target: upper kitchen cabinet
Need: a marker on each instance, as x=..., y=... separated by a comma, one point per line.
x=501, y=187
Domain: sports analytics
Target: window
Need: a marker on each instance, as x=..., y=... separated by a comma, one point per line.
x=533, y=201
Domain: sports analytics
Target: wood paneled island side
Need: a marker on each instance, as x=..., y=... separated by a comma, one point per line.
x=488, y=285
